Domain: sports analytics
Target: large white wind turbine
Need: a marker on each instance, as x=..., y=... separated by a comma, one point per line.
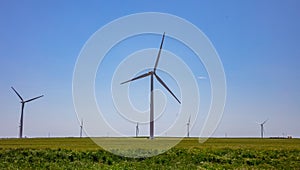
x=262, y=128
x=22, y=110
x=153, y=74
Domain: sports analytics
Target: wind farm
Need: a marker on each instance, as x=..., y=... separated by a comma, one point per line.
x=143, y=147
x=149, y=85
x=153, y=74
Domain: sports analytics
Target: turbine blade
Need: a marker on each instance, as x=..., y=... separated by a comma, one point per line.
x=189, y=119
x=265, y=121
x=158, y=56
x=17, y=93
x=138, y=77
x=164, y=84
x=33, y=98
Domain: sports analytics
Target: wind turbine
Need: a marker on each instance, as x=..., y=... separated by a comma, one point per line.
x=262, y=128
x=137, y=129
x=81, y=126
x=22, y=110
x=153, y=74
x=188, y=127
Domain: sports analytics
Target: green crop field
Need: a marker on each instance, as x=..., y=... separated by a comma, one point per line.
x=215, y=153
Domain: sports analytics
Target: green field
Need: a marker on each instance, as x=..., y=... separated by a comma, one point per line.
x=215, y=153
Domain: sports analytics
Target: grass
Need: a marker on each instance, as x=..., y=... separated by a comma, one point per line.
x=76, y=153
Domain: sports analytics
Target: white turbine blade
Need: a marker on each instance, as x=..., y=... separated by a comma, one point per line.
x=17, y=93
x=265, y=121
x=158, y=56
x=164, y=84
x=138, y=77
x=33, y=99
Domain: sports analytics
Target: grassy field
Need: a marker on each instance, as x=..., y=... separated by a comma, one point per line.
x=215, y=153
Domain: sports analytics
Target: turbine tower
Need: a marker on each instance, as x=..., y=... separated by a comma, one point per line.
x=262, y=128
x=22, y=110
x=81, y=127
x=153, y=74
x=137, y=129
x=188, y=127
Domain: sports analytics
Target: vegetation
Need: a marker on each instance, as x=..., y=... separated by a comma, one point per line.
x=76, y=153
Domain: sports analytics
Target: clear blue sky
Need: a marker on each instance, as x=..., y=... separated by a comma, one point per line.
x=257, y=41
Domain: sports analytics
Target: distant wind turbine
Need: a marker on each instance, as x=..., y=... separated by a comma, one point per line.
x=22, y=110
x=137, y=129
x=153, y=73
x=81, y=127
x=262, y=128
x=188, y=127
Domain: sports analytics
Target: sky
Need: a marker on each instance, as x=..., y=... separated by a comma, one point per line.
x=257, y=42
